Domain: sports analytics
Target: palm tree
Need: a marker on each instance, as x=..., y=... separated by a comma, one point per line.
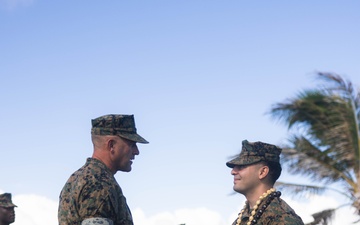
x=325, y=141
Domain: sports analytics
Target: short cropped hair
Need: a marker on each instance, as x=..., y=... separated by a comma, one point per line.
x=274, y=170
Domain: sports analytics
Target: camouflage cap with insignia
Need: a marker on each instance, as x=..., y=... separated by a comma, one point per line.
x=5, y=200
x=253, y=152
x=120, y=125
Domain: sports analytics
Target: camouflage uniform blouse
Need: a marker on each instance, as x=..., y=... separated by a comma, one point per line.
x=277, y=213
x=90, y=192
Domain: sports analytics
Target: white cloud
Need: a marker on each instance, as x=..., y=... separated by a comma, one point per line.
x=344, y=215
x=35, y=210
x=196, y=216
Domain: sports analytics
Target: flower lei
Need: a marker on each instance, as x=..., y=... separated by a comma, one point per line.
x=255, y=215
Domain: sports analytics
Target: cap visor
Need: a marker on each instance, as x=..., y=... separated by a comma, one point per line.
x=238, y=162
x=134, y=137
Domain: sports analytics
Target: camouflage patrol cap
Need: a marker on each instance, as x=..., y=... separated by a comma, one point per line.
x=253, y=152
x=120, y=125
x=5, y=200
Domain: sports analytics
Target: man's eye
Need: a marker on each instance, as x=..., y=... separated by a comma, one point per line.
x=132, y=144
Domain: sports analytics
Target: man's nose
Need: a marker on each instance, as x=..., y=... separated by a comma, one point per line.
x=136, y=150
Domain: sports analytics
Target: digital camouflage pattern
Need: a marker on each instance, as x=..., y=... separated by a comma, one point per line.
x=278, y=212
x=120, y=125
x=93, y=192
x=5, y=201
x=97, y=221
x=253, y=152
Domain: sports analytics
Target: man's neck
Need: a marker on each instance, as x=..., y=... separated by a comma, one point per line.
x=104, y=159
x=255, y=195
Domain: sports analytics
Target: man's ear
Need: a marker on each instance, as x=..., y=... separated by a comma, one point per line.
x=263, y=172
x=110, y=144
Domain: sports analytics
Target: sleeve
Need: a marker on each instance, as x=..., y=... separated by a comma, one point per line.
x=94, y=202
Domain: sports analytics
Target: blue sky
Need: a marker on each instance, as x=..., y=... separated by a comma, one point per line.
x=199, y=76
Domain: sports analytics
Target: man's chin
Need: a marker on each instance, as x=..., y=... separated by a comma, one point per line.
x=127, y=169
x=237, y=190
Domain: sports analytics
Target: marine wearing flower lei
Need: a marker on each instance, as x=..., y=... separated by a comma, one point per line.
x=256, y=212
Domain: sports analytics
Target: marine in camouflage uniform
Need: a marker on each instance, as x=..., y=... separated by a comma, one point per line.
x=92, y=195
x=255, y=170
x=7, y=212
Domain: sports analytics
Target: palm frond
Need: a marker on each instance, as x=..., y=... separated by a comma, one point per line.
x=307, y=159
x=328, y=123
x=326, y=142
x=305, y=190
x=323, y=217
x=339, y=85
x=329, y=116
x=346, y=91
x=320, y=116
x=300, y=190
